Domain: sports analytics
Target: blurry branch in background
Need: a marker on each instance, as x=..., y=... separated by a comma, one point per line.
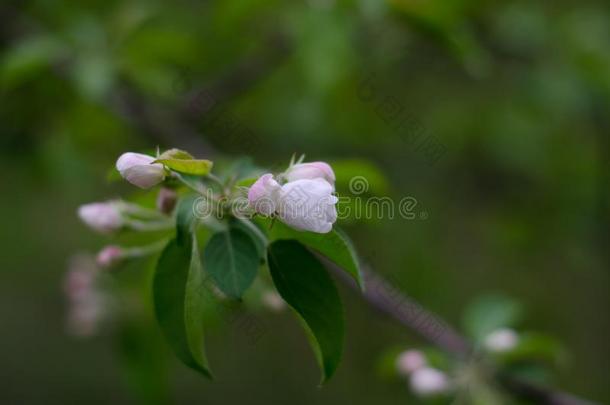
x=385, y=297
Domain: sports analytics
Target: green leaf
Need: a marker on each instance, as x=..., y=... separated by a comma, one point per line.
x=184, y=162
x=179, y=302
x=488, y=313
x=305, y=285
x=255, y=232
x=198, y=167
x=185, y=218
x=176, y=154
x=247, y=182
x=231, y=258
x=335, y=245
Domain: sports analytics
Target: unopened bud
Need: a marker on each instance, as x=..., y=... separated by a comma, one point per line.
x=104, y=217
x=109, y=256
x=311, y=170
x=139, y=169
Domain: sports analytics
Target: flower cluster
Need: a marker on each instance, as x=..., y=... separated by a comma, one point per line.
x=301, y=197
x=424, y=380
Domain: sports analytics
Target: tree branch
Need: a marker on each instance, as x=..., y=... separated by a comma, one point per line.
x=387, y=298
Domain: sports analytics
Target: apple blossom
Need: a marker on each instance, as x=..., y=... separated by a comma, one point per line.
x=109, y=256
x=308, y=205
x=409, y=361
x=427, y=381
x=501, y=340
x=104, y=217
x=311, y=170
x=139, y=170
x=264, y=194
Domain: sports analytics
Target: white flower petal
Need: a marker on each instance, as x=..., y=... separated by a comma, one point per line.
x=130, y=159
x=144, y=176
x=263, y=195
x=308, y=205
x=311, y=170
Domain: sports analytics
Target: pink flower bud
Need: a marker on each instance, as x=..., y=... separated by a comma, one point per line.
x=409, y=361
x=102, y=217
x=501, y=340
x=166, y=200
x=263, y=195
x=109, y=256
x=426, y=382
x=308, y=205
x=138, y=169
x=312, y=170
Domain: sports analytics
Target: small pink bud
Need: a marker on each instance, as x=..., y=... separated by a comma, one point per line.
x=139, y=170
x=426, y=382
x=312, y=170
x=103, y=217
x=409, y=361
x=263, y=195
x=109, y=256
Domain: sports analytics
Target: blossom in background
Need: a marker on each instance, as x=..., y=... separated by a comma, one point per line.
x=109, y=256
x=409, y=361
x=501, y=340
x=305, y=202
x=312, y=170
x=427, y=381
x=104, y=217
x=139, y=169
x=86, y=303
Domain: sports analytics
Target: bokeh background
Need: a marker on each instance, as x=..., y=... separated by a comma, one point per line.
x=494, y=116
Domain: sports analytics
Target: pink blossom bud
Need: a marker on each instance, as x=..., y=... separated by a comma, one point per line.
x=263, y=195
x=426, y=382
x=409, y=361
x=273, y=301
x=103, y=217
x=166, y=200
x=109, y=256
x=501, y=340
x=138, y=169
x=312, y=170
x=308, y=205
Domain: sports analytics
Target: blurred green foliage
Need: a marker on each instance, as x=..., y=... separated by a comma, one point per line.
x=517, y=92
